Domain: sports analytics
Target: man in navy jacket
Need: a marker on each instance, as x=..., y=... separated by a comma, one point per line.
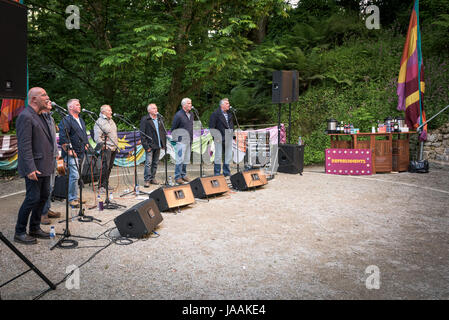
x=152, y=125
x=76, y=129
x=221, y=120
x=35, y=163
x=182, y=132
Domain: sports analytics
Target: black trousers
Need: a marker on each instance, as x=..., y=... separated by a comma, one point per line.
x=107, y=163
x=37, y=193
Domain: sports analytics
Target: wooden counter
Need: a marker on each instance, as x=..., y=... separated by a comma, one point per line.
x=390, y=151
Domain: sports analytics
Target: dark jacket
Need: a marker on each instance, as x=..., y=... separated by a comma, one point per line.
x=35, y=144
x=182, y=121
x=77, y=136
x=147, y=127
x=218, y=121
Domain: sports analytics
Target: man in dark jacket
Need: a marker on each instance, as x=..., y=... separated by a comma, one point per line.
x=76, y=129
x=153, y=127
x=182, y=132
x=35, y=163
x=222, y=128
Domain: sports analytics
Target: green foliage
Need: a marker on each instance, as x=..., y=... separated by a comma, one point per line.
x=128, y=54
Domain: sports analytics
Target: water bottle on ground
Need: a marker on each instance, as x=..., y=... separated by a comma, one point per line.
x=73, y=213
x=170, y=181
x=52, y=236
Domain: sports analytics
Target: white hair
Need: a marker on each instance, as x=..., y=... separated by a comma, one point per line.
x=184, y=101
x=70, y=102
x=151, y=104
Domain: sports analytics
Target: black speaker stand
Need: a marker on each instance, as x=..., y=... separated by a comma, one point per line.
x=27, y=262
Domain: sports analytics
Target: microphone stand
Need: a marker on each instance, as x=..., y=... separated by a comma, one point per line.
x=238, y=126
x=201, y=142
x=107, y=203
x=64, y=242
x=135, y=191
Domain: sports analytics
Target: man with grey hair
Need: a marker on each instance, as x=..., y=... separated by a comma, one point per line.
x=221, y=120
x=105, y=133
x=183, y=124
x=77, y=136
x=153, y=127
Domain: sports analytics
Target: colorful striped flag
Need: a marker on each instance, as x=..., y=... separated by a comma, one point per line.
x=410, y=94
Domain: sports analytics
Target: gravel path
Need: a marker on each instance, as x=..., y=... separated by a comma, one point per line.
x=299, y=237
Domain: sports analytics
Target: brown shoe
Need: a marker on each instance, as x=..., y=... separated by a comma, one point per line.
x=74, y=203
x=84, y=201
x=186, y=179
x=154, y=181
x=179, y=181
x=45, y=220
x=52, y=214
x=146, y=184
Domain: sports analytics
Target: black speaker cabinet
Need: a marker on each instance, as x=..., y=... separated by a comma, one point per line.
x=282, y=86
x=139, y=220
x=60, y=187
x=245, y=180
x=295, y=86
x=173, y=197
x=291, y=158
x=13, y=52
x=209, y=186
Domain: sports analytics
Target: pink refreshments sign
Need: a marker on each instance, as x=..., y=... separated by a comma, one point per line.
x=348, y=161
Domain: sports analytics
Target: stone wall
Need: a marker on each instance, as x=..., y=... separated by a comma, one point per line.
x=437, y=145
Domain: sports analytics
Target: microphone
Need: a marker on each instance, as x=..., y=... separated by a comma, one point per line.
x=59, y=108
x=193, y=108
x=160, y=115
x=88, y=111
x=117, y=115
x=232, y=109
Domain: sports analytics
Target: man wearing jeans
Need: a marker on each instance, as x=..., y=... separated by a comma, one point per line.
x=221, y=121
x=35, y=163
x=153, y=127
x=76, y=129
x=182, y=131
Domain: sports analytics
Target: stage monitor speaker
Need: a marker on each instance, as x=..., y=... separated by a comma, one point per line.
x=291, y=158
x=173, y=197
x=209, y=186
x=245, y=180
x=139, y=220
x=13, y=52
x=282, y=86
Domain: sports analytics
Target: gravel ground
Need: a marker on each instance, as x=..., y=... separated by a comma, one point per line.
x=299, y=237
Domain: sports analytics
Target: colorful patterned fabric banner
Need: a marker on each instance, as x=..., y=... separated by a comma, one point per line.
x=125, y=157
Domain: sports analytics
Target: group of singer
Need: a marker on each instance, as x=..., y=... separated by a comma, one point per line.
x=38, y=151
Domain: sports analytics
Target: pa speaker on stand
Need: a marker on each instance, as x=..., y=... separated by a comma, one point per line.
x=13, y=55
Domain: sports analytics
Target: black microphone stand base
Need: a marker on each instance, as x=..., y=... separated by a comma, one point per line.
x=111, y=206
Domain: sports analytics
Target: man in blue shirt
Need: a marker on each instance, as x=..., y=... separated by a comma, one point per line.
x=153, y=127
x=182, y=132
